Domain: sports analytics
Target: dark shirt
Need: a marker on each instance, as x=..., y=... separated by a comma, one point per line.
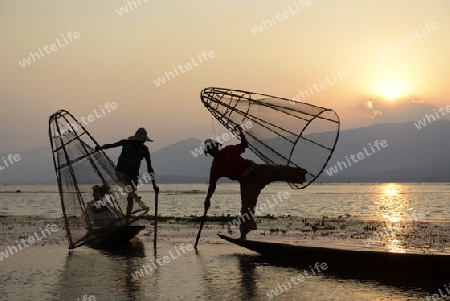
x=130, y=159
x=229, y=164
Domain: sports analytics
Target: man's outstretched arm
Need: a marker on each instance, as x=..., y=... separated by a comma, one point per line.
x=211, y=190
x=151, y=172
x=244, y=142
x=112, y=145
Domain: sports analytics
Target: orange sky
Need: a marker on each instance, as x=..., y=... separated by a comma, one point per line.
x=118, y=58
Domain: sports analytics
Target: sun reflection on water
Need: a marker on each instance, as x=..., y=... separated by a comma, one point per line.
x=391, y=189
x=392, y=207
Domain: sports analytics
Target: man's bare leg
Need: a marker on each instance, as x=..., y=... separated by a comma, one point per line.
x=129, y=207
x=249, y=198
x=140, y=203
x=246, y=227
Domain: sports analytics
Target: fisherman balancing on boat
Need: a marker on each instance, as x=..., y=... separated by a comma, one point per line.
x=129, y=162
x=251, y=176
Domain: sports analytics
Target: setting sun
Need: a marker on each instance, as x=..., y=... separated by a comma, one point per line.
x=391, y=83
x=391, y=92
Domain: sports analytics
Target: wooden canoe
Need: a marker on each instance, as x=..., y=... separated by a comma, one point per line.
x=356, y=259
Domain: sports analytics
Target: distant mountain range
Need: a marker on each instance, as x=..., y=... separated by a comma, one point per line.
x=409, y=155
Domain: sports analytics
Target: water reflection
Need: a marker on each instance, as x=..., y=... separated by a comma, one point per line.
x=135, y=248
x=393, y=206
x=247, y=268
x=228, y=276
x=104, y=271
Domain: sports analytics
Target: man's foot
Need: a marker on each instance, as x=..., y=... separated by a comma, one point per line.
x=140, y=203
x=243, y=237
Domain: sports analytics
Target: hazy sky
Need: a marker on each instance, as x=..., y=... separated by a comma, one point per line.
x=119, y=58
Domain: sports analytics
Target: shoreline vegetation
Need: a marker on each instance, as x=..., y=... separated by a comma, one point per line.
x=397, y=177
x=417, y=236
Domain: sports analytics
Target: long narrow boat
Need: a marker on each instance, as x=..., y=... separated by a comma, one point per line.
x=351, y=258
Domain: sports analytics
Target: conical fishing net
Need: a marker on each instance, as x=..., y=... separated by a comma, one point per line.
x=92, y=199
x=279, y=131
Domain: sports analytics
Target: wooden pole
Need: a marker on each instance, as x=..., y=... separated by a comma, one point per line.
x=156, y=222
x=201, y=227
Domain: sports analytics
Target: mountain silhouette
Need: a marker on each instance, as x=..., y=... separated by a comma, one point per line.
x=410, y=155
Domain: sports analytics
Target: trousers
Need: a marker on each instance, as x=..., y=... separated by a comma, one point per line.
x=255, y=179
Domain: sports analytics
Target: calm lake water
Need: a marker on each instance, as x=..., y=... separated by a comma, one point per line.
x=219, y=271
x=374, y=201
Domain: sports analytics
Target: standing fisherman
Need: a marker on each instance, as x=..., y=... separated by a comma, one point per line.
x=129, y=162
x=251, y=176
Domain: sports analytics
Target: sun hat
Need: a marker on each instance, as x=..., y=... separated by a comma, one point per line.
x=210, y=143
x=141, y=135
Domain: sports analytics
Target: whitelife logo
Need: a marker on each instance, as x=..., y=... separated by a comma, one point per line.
x=302, y=95
x=11, y=158
x=49, y=49
x=430, y=118
x=221, y=139
x=266, y=24
x=260, y=209
x=124, y=9
x=109, y=107
x=284, y=287
x=361, y=156
x=153, y=266
x=404, y=41
x=187, y=66
x=11, y=250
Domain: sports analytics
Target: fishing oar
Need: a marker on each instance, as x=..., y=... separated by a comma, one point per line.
x=156, y=221
x=201, y=227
